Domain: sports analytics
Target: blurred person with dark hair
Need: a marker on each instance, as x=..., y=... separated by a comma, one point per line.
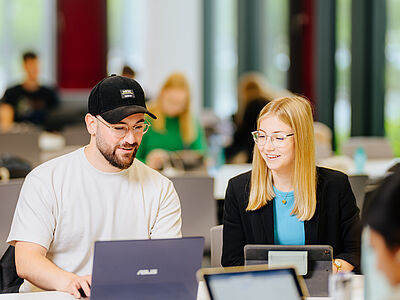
x=127, y=71
x=28, y=101
x=253, y=94
x=383, y=217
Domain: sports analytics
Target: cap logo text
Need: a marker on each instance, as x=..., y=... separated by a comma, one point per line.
x=127, y=94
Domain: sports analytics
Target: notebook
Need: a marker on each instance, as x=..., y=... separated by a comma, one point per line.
x=315, y=262
x=253, y=282
x=147, y=269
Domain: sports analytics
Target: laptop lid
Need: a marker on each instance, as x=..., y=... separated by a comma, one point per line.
x=253, y=282
x=147, y=269
x=317, y=261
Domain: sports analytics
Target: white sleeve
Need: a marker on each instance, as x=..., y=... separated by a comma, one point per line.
x=35, y=215
x=168, y=222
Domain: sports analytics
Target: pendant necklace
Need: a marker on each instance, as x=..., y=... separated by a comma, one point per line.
x=284, y=199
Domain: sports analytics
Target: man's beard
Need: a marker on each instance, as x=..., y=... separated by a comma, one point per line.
x=111, y=156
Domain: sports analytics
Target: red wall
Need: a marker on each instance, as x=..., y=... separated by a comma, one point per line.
x=82, y=43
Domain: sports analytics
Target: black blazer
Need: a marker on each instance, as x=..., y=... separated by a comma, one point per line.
x=336, y=221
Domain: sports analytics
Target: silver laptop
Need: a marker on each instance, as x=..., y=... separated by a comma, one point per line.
x=253, y=282
x=147, y=269
x=315, y=262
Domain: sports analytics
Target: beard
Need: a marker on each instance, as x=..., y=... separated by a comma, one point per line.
x=121, y=162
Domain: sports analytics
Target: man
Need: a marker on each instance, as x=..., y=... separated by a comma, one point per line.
x=99, y=192
x=29, y=101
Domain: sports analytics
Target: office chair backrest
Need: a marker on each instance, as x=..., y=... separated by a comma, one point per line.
x=76, y=135
x=199, y=208
x=216, y=245
x=9, y=193
x=375, y=147
x=358, y=185
x=24, y=145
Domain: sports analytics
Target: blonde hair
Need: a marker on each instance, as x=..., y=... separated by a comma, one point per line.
x=186, y=123
x=296, y=112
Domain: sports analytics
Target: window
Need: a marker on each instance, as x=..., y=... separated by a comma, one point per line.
x=125, y=35
x=392, y=93
x=343, y=69
x=276, y=43
x=26, y=25
x=225, y=52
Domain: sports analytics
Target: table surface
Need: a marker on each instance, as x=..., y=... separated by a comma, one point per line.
x=375, y=169
x=358, y=293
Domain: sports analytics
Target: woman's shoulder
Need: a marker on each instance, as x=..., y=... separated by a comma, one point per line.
x=330, y=176
x=243, y=178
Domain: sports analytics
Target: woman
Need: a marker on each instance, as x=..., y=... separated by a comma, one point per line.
x=383, y=217
x=286, y=199
x=175, y=128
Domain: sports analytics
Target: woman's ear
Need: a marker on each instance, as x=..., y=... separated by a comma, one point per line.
x=91, y=124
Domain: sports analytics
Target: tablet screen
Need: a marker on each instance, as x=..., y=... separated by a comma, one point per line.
x=261, y=284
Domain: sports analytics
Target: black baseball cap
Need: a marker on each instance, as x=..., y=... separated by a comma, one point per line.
x=117, y=97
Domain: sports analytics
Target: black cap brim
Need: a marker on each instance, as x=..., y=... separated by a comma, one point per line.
x=120, y=113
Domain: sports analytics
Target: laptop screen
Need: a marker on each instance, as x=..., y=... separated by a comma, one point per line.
x=260, y=284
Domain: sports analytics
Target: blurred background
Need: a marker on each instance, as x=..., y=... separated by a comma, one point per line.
x=343, y=55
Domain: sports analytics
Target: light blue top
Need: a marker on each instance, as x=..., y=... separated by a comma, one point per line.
x=288, y=230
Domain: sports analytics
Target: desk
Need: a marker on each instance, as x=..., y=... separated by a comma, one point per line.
x=222, y=176
x=202, y=294
x=374, y=168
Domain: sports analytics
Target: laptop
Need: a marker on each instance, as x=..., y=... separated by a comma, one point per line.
x=313, y=262
x=253, y=282
x=147, y=269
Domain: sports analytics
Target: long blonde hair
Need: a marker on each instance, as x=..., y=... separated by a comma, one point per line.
x=296, y=112
x=186, y=122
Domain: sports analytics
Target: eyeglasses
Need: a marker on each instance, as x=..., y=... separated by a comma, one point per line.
x=121, y=130
x=277, y=139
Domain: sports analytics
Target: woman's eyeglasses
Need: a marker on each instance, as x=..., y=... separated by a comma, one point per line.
x=121, y=130
x=277, y=139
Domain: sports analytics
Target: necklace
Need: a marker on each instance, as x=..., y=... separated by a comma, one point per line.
x=284, y=199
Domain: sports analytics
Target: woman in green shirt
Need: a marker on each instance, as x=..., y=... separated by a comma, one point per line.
x=175, y=128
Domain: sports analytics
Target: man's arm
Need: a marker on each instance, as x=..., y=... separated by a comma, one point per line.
x=32, y=265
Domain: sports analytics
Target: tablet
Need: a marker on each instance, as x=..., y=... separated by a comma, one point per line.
x=253, y=282
x=316, y=259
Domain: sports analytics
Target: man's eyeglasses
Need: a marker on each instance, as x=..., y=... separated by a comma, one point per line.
x=277, y=139
x=121, y=130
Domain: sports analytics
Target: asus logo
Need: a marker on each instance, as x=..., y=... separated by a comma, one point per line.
x=147, y=272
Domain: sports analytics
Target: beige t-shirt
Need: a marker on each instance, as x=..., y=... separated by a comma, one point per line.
x=66, y=205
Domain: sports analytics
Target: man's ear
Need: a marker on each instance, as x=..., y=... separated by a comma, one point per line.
x=397, y=255
x=91, y=124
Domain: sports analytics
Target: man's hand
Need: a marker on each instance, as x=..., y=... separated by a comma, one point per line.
x=79, y=286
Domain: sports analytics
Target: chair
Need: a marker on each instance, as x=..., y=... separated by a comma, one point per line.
x=23, y=144
x=199, y=208
x=358, y=184
x=216, y=245
x=9, y=192
x=375, y=147
x=323, y=141
x=76, y=135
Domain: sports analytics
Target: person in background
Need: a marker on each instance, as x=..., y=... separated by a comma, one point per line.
x=253, y=95
x=127, y=71
x=175, y=130
x=28, y=101
x=98, y=192
x=383, y=218
x=285, y=199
